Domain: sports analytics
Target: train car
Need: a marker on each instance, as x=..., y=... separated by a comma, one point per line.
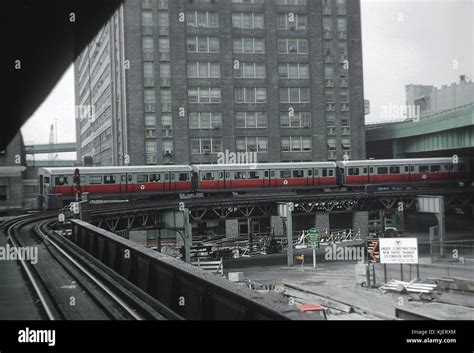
x=389, y=172
x=115, y=182
x=215, y=178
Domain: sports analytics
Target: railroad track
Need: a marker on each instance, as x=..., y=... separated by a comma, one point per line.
x=69, y=284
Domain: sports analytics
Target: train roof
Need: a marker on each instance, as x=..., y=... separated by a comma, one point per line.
x=116, y=170
x=262, y=166
x=406, y=161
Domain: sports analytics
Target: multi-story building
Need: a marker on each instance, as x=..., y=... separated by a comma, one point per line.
x=430, y=100
x=178, y=81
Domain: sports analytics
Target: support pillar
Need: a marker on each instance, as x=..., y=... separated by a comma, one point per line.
x=321, y=221
x=276, y=225
x=231, y=228
x=360, y=220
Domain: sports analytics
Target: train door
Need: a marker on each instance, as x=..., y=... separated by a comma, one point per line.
x=266, y=178
x=220, y=179
x=272, y=182
x=123, y=183
x=172, y=182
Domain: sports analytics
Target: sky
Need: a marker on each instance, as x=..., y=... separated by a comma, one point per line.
x=428, y=42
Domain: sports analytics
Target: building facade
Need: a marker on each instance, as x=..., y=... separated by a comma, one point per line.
x=178, y=82
x=430, y=100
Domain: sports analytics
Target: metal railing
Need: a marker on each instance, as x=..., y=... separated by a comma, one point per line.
x=183, y=288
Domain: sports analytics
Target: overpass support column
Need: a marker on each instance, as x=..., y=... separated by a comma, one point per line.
x=231, y=228
x=321, y=221
x=276, y=225
x=360, y=220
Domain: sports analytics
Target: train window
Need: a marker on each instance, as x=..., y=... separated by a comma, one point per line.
x=83, y=180
x=325, y=172
x=46, y=180
x=240, y=175
x=316, y=172
x=371, y=170
x=447, y=167
x=227, y=175
x=353, y=171
x=167, y=176
x=365, y=170
x=208, y=176
x=130, y=178
x=60, y=181
x=266, y=174
x=412, y=168
x=435, y=168
x=221, y=175
x=394, y=170
x=154, y=178
x=310, y=172
x=173, y=176
x=254, y=175
x=382, y=170
x=142, y=178
x=331, y=172
x=406, y=169
x=109, y=179
x=272, y=173
x=285, y=174
x=424, y=168
x=122, y=178
x=298, y=173
x=95, y=180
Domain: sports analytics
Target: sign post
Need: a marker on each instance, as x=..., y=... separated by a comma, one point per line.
x=313, y=242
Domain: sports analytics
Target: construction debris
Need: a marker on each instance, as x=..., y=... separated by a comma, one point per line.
x=410, y=287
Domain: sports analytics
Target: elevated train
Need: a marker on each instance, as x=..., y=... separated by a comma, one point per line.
x=171, y=180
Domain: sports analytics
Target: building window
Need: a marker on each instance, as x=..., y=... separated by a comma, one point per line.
x=328, y=71
x=300, y=22
x=292, y=46
x=250, y=120
x=165, y=70
x=205, y=120
x=297, y=120
x=249, y=45
x=296, y=144
x=163, y=18
x=148, y=70
x=250, y=70
x=206, y=145
x=203, y=44
x=150, y=146
x=300, y=71
x=164, y=45
x=204, y=95
x=147, y=18
x=247, y=20
x=167, y=146
x=149, y=95
x=344, y=95
x=147, y=44
x=165, y=94
x=341, y=24
x=294, y=95
x=202, y=19
x=166, y=121
x=251, y=144
x=250, y=95
x=150, y=126
x=291, y=2
x=204, y=69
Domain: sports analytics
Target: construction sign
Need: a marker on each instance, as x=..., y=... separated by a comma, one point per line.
x=313, y=238
x=373, y=250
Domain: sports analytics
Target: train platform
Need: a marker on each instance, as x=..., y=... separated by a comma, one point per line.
x=16, y=301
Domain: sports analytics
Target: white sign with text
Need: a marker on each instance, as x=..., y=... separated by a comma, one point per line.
x=398, y=250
